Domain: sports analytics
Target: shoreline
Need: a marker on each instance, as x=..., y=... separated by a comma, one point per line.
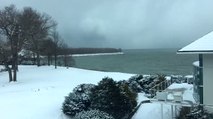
x=97, y=54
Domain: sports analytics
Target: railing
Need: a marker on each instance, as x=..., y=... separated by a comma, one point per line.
x=160, y=87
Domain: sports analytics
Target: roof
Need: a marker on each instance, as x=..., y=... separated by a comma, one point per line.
x=203, y=45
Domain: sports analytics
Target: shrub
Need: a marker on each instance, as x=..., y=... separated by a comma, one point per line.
x=196, y=112
x=78, y=100
x=110, y=97
x=129, y=95
x=74, y=103
x=134, y=83
x=183, y=112
x=107, y=96
x=83, y=89
x=92, y=114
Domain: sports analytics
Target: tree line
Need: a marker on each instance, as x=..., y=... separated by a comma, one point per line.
x=30, y=30
x=92, y=50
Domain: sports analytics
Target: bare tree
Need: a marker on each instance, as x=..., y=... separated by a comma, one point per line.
x=57, y=41
x=64, y=51
x=27, y=28
x=47, y=48
x=10, y=27
x=36, y=27
x=67, y=56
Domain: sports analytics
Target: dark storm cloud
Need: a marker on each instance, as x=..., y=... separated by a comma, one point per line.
x=127, y=23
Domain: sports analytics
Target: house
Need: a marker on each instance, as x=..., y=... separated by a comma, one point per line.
x=203, y=69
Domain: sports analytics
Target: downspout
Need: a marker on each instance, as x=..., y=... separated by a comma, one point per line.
x=201, y=78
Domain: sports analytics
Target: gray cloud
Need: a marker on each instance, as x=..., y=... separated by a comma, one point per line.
x=127, y=23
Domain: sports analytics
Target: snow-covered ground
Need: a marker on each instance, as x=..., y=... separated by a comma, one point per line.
x=39, y=92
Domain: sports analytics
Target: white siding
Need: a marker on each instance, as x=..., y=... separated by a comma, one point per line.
x=208, y=80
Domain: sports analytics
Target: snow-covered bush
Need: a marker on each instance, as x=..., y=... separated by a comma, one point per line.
x=109, y=97
x=92, y=114
x=141, y=83
x=78, y=100
x=130, y=96
x=84, y=89
x=183, y=112
x=75, y=103
x=135, y=82
x=177, y=78
x=197, y=112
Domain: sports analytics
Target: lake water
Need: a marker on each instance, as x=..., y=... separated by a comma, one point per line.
x=152, y=61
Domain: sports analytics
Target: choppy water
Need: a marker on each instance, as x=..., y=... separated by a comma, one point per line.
x=154, y=61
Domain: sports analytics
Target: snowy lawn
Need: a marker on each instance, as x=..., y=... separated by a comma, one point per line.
x=39, y=92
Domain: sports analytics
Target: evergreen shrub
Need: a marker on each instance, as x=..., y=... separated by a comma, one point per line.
x=108, y=97
x=92, y=114
x=78, y=100
x=112, y=98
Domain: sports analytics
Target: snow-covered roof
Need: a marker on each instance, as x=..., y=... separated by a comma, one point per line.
x=203, y=45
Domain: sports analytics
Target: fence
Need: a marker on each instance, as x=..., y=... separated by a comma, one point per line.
x=160, y=87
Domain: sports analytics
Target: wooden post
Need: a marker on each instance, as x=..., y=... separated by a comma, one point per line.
x=172, y=111
x=161, y=110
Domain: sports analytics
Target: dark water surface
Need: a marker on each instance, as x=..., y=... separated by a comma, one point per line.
x=149, y=61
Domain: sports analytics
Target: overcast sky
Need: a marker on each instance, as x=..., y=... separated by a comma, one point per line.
x=126, y=23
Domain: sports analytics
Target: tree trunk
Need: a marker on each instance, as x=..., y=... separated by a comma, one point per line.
x=65, y=61
x=38, y=59
x=15, y=75
x=48, y=60
x=17, y=62
x=51, y=60
x=14, y=66
x=55, y=61
x=34, y=59
x=10, y=75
